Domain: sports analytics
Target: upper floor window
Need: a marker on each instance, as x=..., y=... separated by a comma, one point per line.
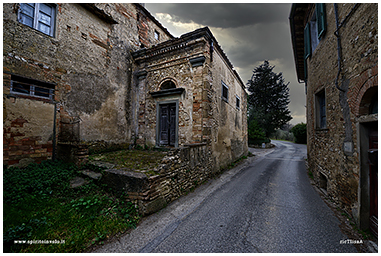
x=225, y=92
x=237, y=102
x=38, y=16
x=157, y=35
x=314, y=30
x=30, y=87
x=320, y=108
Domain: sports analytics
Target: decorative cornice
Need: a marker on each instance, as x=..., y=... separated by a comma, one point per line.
x=197, y=61
x=167, y=92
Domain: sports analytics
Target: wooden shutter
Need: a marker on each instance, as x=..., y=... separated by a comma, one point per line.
x=307, y=41
x=321, y=19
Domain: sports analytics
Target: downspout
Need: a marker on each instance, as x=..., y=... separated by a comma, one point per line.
x=336, y=33
x=338, y=49
x=54, y=132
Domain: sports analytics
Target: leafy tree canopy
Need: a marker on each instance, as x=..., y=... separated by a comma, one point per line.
x=268, y=98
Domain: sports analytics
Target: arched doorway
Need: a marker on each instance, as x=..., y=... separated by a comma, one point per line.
x=368, y=132
x=167, y=114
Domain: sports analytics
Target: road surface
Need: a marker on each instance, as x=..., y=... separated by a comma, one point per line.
x=264, y=205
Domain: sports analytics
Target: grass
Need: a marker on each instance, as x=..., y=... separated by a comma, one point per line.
x=39, y=205
x=134, y=160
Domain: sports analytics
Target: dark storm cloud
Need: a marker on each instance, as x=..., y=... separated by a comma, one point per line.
x=260, y=43
x=222, y=15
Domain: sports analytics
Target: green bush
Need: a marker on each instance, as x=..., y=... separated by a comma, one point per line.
x=256, y=134
x=300, y=133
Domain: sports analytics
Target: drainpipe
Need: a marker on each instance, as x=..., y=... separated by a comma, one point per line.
x=54, y=132
x=336, y=33
x=338, y=49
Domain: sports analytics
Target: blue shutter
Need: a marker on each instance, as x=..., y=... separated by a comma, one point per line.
x=307, y=41
x=321, y=19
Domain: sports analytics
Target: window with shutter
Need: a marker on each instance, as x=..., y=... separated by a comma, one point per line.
x=38, y=16
x=321, y=19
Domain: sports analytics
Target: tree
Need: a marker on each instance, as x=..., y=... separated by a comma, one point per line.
x=300, y=133
x=268, y=99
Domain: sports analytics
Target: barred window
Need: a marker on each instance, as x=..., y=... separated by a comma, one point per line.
x=25, y=86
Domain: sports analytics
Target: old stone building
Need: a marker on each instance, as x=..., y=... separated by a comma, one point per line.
x=90, y=75
x=336, y=55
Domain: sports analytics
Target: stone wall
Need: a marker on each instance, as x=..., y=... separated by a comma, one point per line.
x=334, y=152
x=88, y=62
x=181, y=170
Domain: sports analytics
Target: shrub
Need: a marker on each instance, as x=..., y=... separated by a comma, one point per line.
x=256, y=134
x=300, y=133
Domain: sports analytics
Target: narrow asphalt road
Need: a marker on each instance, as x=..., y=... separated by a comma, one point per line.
x=265, y=205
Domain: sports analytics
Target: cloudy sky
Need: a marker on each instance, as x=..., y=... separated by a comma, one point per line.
x=249, y=33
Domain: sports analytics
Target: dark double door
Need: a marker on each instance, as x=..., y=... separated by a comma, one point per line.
x=167, y=124
x=373, y=180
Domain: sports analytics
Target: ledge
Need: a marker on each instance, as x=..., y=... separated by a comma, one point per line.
x=198, y=61
x=195, y=144
x=167, y=92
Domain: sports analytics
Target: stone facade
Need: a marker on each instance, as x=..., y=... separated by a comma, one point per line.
x=108, y=71
x=341, y=77
x=196, y=67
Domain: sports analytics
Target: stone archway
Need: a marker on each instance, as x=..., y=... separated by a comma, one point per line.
x=368, y=148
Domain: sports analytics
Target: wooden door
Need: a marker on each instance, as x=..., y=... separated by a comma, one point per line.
x=167, y=124
x=373, y=180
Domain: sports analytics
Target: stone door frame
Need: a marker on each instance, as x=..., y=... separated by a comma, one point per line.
x=158, y=105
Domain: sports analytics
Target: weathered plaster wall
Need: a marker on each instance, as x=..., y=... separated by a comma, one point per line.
x=88, y=60
x=326, y=154
x=229, y=128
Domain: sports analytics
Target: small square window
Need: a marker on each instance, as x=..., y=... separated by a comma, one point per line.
x=320, y=108
x=38, y=16
x=225, y=92
x=157, y=35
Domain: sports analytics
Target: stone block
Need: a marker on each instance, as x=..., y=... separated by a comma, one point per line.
x=123, y=180
x=147, y=208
